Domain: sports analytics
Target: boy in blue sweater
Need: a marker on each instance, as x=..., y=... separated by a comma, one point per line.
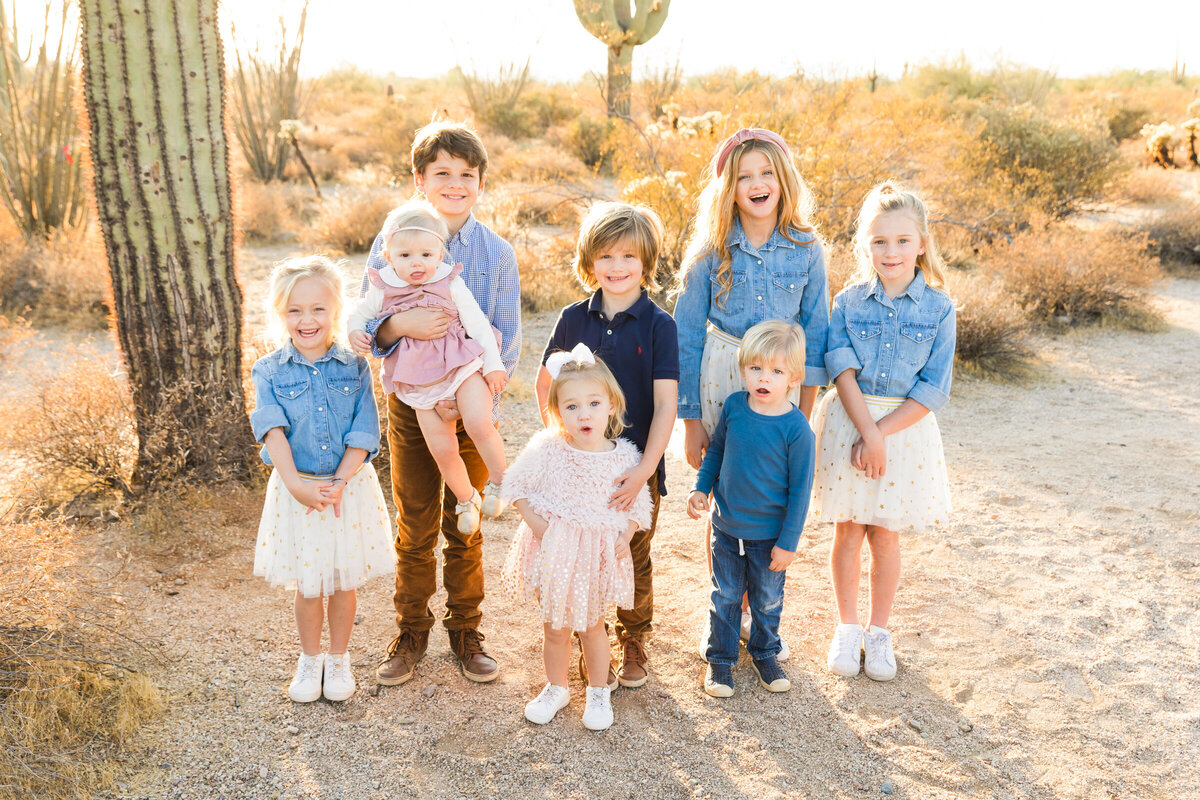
x=763, y=448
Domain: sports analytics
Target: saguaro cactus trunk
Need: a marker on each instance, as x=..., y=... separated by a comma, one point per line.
x=154, y=85
x=621, y=28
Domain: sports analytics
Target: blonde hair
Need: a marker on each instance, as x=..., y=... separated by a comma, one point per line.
x=418, y=214
x=774, y=340
x=607, y=224
x=599, y=371
x=284, y=278
x=717, y=211
x=884, y=199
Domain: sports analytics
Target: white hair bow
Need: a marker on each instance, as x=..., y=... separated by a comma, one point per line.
x=580, y=354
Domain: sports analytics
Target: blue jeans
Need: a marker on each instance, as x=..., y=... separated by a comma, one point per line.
x=741, y=567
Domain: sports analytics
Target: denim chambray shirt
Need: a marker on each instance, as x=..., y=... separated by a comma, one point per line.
x=323, y=408
x=901, y=346
x=780, y=280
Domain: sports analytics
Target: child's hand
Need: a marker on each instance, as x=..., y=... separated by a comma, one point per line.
x=537, y=525
x=309, y=494
x=780, y=559
x=496, y=381
x=447, y=410
x=697, y=504
x=629, y=484
x=425, y=323
x=621, y=547
x=332, y=492
x=870, y=457
x=360, y=342
x=695, y=442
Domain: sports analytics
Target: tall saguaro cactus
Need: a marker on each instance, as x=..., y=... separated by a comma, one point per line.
x=154, y=86
x=622, y=29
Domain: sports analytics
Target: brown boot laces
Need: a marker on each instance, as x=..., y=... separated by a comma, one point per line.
x=403, y=641
x=634, y=651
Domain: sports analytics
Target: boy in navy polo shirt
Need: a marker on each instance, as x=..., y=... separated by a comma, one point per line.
x=759, y=469
x=617, y=257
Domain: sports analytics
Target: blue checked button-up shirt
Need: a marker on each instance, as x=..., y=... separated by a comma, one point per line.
x=323, y=408
x=780, y=280
x=490, y=272
x=900, y=346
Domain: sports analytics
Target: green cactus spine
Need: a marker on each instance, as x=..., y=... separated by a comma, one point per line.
x=154, y=88
x=622, y=29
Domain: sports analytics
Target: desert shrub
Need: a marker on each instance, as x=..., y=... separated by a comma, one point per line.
x=547, y=280
x=536, y=164
x=589, y=140
x=1173, y=234
x=1067, y=276
x=1057, y=165
x=1147, y=187
x=659, y=85
x=500, y=102
x=993, y=332
x=1124, y=121
x=387, y=140
x=77, y=427
x=67, y=705
x=950, y=79
x=264, y=211
x=350, y=222
x=15, y=336
x=63, y=280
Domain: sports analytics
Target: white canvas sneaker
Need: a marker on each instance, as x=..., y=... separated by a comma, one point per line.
x=880, y=660
x=542, y=708
x=845, y=650
x=306, y=685
x=598, y=714
x=339, y=680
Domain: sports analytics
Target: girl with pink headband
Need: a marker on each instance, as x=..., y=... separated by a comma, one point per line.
x=463, y=365
x=754, y=255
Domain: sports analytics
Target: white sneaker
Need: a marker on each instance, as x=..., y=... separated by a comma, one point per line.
x=306, y=685
x=339, y=679
x=542, y=708
x=598, y=714
x=468, y=514
x=880, y=661
x=783, y=653
x=492, y=504
x=845, y=650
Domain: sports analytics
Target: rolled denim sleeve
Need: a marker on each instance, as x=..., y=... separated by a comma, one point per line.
x=691, y=321
x=375, y=261
x=506, y=312
x=267, y=413
x=932, y=388
x=814, y=314
x=839, y=353
x=364, y=428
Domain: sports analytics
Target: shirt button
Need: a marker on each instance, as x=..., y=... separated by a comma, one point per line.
x=320, y=408
x=889, y=344
x=610, y=331
x=883, y=374
x=791, y=286
x=889, y=313
x=918, y=336
x=760, y=262
x=760, y=296
x=323, y=447
x=314, y=372
x=863, y=333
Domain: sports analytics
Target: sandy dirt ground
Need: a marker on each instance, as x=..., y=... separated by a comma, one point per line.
x=1046, y=639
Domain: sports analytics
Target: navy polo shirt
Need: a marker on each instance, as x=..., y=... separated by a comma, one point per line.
x=639, y=345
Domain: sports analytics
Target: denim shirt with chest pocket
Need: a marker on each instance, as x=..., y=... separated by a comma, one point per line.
x=900, y=346
x=322, y=407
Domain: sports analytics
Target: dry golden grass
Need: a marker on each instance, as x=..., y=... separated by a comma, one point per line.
x=263, y=211
x=993, y=331
x=1062, y=275
x=1151, y=186
x=15, y=336
x=69, y=698
x=63, y=281
x=350, y=222
x=1174, y=235
x=548, y=281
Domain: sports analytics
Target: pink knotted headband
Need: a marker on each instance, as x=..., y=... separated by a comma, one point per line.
x=745, y=135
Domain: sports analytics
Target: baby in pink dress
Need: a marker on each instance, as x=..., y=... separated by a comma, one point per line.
x=462, y=365
x=572, y=553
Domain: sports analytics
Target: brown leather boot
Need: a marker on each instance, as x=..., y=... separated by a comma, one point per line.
x=633, y=670
x=403, y=654
x=477, y=665
x=612, y=673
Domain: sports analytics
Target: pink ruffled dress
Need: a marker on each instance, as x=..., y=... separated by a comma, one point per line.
x=422, y=372
x=573, y=572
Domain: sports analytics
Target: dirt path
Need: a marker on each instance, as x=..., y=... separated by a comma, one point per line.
x=1046, y=640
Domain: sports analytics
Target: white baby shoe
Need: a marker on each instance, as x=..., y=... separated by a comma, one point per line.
x=306, y=685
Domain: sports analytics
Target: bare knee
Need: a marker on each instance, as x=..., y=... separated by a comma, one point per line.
x=557, y=637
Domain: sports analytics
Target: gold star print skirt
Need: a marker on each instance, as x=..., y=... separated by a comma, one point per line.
x=912, y=495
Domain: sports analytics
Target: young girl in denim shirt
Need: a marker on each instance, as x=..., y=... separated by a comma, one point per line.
x=880, y=465
x=325, y=529
x=754, y=256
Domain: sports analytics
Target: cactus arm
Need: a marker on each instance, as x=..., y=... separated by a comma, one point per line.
x=648, y=19
x=599, y=18
x=610, y=20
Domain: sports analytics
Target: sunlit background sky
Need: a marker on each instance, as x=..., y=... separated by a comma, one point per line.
x=428, y=38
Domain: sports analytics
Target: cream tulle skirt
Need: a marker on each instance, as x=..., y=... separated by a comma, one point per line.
x=913, y=493
x=319, y=553
x=720, y=376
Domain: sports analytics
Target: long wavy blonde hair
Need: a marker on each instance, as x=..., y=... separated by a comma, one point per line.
x=884, y=199
x=717, y=211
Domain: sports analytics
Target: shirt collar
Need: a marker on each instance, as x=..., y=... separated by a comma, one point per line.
x=737, y=236
x=915, y=289
x=596, y=304
x=466, y=231
x=337, y=350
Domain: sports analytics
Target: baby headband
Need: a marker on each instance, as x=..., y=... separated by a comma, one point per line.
x=580, y=354
x=394, y=231
x=745, y=135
